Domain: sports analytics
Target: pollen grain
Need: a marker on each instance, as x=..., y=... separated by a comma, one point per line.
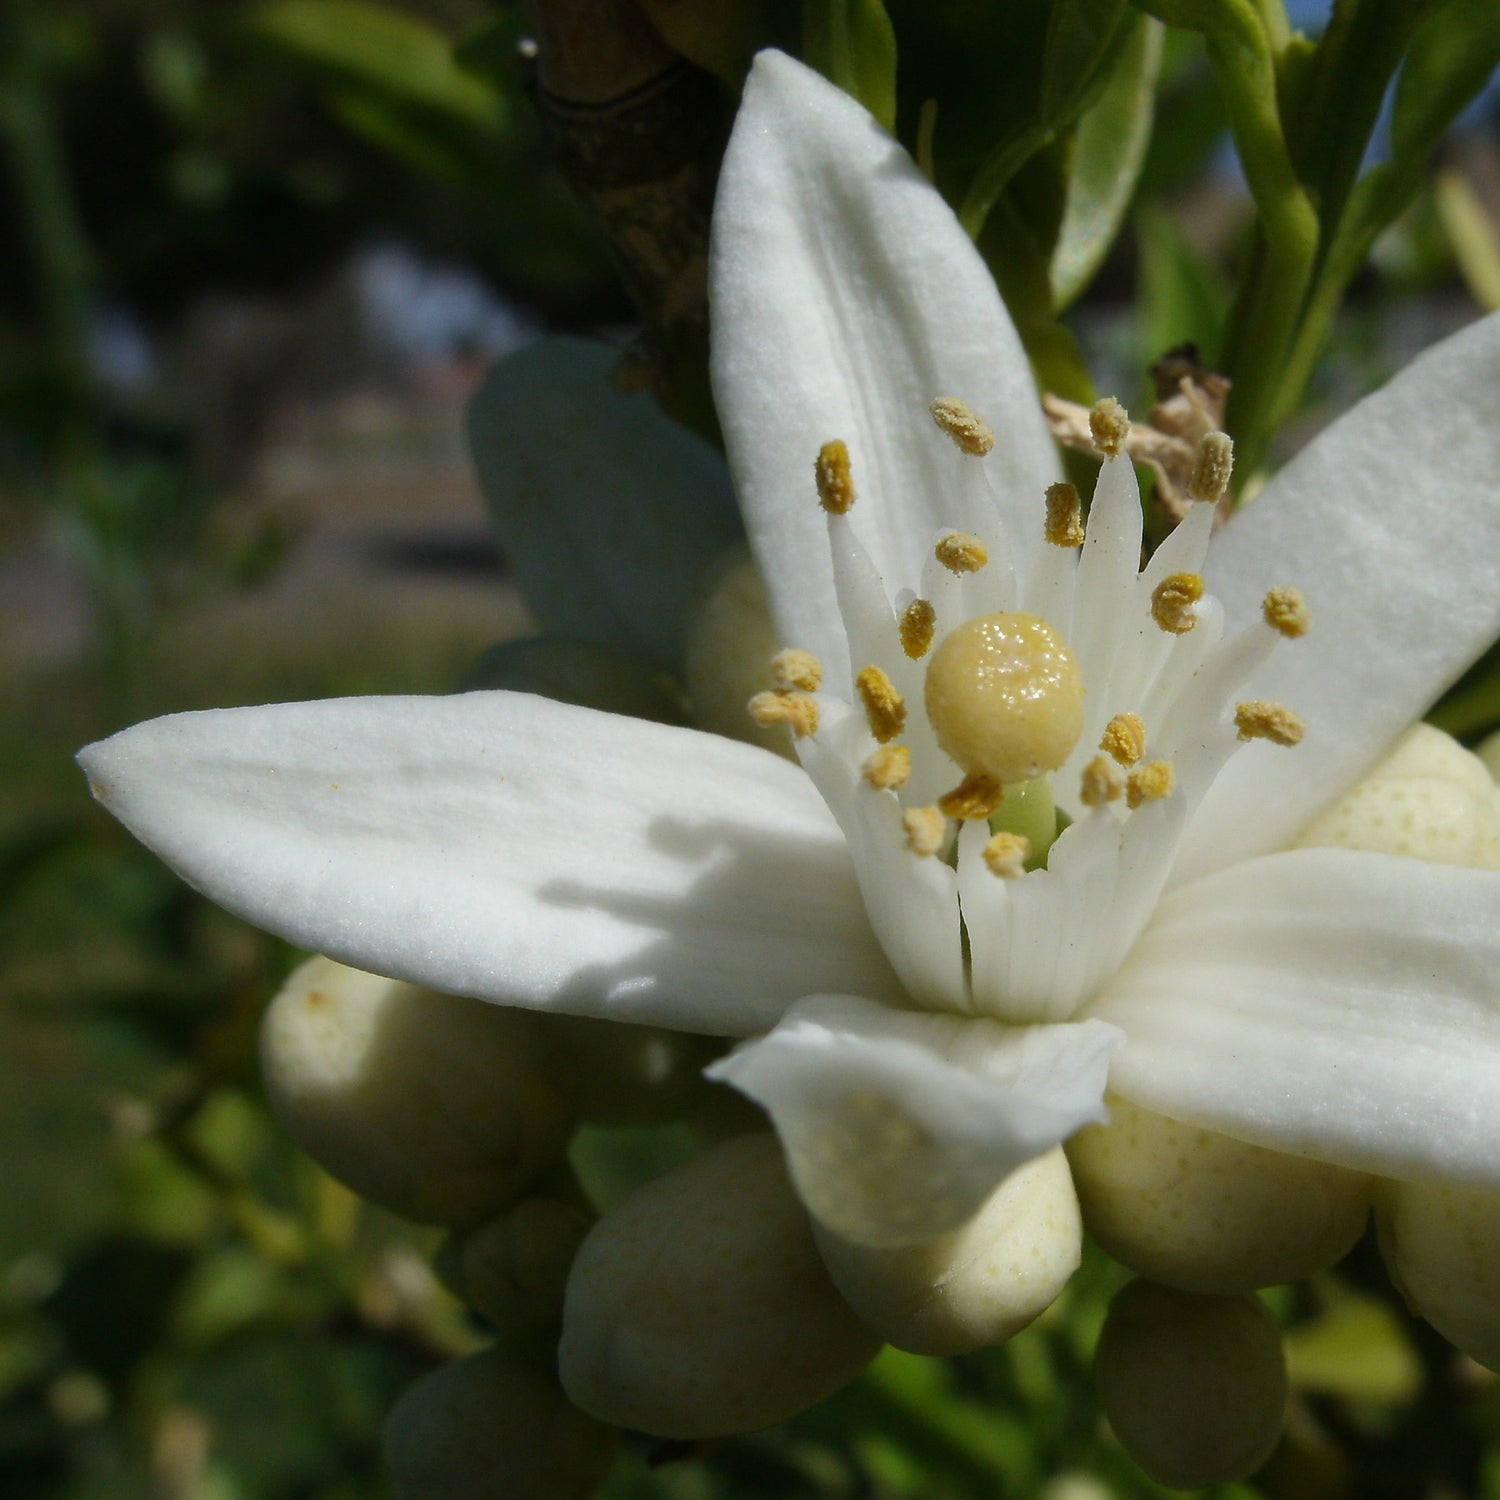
x=794, y=668
x=961, y=553
x=1150, y=783
x=1102, y=782
x=1173, y=600
x=1214, y=466
x=1124, y=738
x=1286, y=611
x=926, y=829
x=1006, y=855
x=969, y=431
x=1109, y=426
x=799, y=710
x=918, y=626
x=834, y=478
x=975, y=797
x=1261, y=719
x=885, y=708
x=1064, y=515
x=888, y=769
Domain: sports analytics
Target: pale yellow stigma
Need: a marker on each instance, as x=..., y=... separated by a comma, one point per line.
x=799, y=710
x=1005, y=697
x=889, y=768
x=918, y=626
x=1286, y=611
x=1261, y=719
x=1150, y=783
x=1064, y=515
x=885, y=708
x=1214, y=466
x=926, y=829
x=1006, y=855
x=1124, y=738
x=961, y=553
x=975, y=797
x=969, y=431
x=1109, y=426
x=835, y=480
x=1172, y=602
x=798, y=669
x=1103, y=781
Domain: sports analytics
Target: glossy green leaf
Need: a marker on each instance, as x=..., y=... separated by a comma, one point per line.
x=1452, y=55
x=853, y=43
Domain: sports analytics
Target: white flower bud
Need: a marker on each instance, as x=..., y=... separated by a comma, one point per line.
x=1194, y=1387
x=514, y=1269
x=700, y=1306
x=436, y=1107
x=493, y=1427
x=977, y=1285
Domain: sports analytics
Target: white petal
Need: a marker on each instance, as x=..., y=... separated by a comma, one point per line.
x=1389, y=525
x=1328, y=1003
x=511, y=848
x=846, y=299
x=898, y=1125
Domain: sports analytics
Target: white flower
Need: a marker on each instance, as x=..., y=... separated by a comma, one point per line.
x=923, y=1027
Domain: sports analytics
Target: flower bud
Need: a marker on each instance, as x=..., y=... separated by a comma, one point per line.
x=977, y=1285
x=700, y=1307
x=436, y=1107
x=493, y=1427
x=1194, y=1387
x=513, y=1270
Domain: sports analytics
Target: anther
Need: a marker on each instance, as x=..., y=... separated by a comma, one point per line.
x=1285, y=610
x=835, y=481
x=1109, y=426
x=1102, y=782
x=975, y=797
x=1172, y=602
x=798, y=669
x=889, y=768
x=1124, y=738
x=918, y=626
x=926, y=829
x=961, y=553
x=1064, y=515
x=969, y=431
x=800, y=710
x=1006, y=855
x=1213, y=468
x=1150, y=783
x=885, y=708
x=1261, y=719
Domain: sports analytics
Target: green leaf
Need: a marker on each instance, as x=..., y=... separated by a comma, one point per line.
x=575, y=672
x=1356, y=1350
x=1472, y=234
x=853, y=43
x=1109, y=150
x=1451, y=58
x=1181, y=298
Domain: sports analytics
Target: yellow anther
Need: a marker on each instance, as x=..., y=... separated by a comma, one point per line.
x=889, y=768
x=926, y=829
x=1172, y=602
x=1261, y=719
x=885, y=708
x=1005, y=697
x=1103, y=782
x=835, y=481
x=800, y=710
x=1109, y=426
x=969, y=431
x=1064, y=515
x=1124, y=738
x=1213, y=468
x=961, y=553
x=1150, y=783
x=975, y=797
x=1286, y=610
x=918, y=625
x=793, y=668
x=1006, y=855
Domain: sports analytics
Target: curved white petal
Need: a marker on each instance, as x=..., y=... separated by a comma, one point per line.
x=898, y=1125
x=511, y=848
x=1389, y=523
x=846, y=299
x=1329, y=1003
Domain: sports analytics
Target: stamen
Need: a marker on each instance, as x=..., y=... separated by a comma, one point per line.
x=1109, y=426
x=1150, y=783
x=885, y=708
x=794, y=668
x=926, y=829
x=1006, y=855
x=889, y=768
x=1102, y=782
x=961, y=553
x=1286, y=611
x=1212, y=471
x=1124, y=738
x=800, y=710
x=918, y=626
x=1172, y=602
x=974, y=798
x=969, y=431
x=1064, y=515
x=1261, y=719
x=835, y=481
